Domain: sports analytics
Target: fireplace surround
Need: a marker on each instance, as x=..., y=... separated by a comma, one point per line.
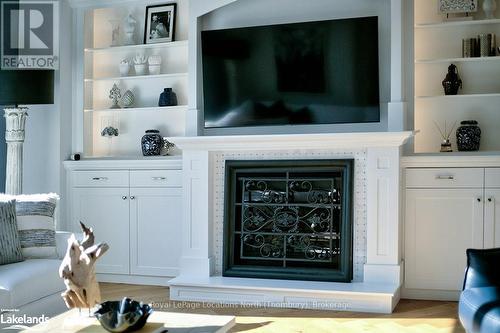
x=288, y=219
x=377, y=264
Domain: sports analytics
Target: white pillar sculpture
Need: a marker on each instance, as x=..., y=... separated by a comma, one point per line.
x=15, y=121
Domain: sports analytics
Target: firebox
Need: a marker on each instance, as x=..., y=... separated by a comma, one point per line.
x=289, y=219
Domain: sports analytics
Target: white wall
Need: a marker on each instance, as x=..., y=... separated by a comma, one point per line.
x=48, y=129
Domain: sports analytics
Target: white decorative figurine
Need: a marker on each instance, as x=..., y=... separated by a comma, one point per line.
x=140, y=62
x=154, y=64
x=129, y=29
x=128, y=99
x=489, y=7
x=124, y=67
x=115, y=32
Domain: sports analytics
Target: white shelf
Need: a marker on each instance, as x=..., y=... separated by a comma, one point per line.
x=456, y=24
x=182, y=43
x=151, y=108
x=461, y=60
x=457, y=96
x=137, y=77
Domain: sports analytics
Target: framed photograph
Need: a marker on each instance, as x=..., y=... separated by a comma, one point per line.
x=457, y=6
x=160, y=23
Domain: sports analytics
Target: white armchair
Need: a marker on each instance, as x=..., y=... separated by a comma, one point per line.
x=33, y=286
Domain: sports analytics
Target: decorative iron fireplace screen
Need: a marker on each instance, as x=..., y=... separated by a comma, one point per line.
x=289, y=219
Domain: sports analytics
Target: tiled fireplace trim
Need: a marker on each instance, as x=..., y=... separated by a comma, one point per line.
x=359, y=197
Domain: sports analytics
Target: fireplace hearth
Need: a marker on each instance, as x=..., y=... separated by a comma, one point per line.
x=289, y=219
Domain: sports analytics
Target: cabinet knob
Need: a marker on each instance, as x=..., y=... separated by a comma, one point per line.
x=132, y=197
x=490, y=199
x=124, y=197
x=478, y=199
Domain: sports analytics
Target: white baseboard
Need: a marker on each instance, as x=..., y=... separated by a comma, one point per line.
x=432, y=295
x=135, y=279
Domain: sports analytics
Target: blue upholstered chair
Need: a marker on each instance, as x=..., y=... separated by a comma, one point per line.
x=479, y=306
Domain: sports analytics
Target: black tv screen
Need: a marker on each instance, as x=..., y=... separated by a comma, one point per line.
x=324, y=72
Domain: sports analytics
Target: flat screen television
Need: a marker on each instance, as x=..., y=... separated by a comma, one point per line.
x=324, y=72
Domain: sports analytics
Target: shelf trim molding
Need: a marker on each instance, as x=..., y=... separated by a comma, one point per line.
x=455, y=24
x=457, y=96
x=445, y=60
x=149, y=108
x=179, y=43
x=138, y=77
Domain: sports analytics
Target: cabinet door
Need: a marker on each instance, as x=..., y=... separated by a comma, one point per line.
x=106, y=210
x=492, y=218
x=155, y=231
x=440, y=225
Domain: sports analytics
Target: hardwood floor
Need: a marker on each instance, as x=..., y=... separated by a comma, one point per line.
x=410, y=316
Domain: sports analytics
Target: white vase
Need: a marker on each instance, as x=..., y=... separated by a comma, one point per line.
x=154, y=69
x=124, y=69
x=489, y=8
x=140, y=69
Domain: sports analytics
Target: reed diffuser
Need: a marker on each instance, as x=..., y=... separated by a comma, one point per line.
x=445, y=136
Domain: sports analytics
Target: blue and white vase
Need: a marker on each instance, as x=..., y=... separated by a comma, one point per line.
x=468, y=136
x=151, y=143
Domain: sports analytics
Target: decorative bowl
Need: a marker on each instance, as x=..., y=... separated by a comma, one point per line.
x=123, y=316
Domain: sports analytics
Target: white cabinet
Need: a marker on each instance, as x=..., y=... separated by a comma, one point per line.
x=106, y=210
x=440, y=225
x=492, y=208
x=137, y=211
x=447, y=210
x=155, y=217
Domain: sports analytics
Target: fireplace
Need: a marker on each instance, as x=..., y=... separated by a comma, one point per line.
x=376, y=228
x=288, y=219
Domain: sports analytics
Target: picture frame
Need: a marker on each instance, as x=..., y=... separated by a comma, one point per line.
x=457, y=6
x=159, y=24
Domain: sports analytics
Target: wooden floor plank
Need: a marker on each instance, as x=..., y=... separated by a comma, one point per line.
x=410, y=316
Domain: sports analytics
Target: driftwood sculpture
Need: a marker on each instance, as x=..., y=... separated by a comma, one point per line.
x=78, y=270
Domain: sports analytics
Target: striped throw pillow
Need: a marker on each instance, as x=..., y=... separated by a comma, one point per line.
x=10, y=246
x=36, y=225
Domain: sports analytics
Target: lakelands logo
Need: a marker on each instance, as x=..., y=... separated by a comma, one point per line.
x=20, y=322
x=29, y=34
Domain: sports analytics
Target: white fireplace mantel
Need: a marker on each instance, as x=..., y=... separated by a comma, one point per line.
x=377, y=173
x=293, y=141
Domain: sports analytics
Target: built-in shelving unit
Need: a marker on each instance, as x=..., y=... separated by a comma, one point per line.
x=101, y=71
x=437, y=44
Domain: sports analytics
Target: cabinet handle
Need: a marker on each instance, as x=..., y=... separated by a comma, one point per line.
x=490, y=199
x=132, y=197
x=100, y=178
x=442, y=177
x=478, y=199
x=159, y=178
x=124, y=197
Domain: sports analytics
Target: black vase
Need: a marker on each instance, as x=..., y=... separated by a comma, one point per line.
x=151, y=143
x=452, y=81
x=167, y=98
x=468, y=136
